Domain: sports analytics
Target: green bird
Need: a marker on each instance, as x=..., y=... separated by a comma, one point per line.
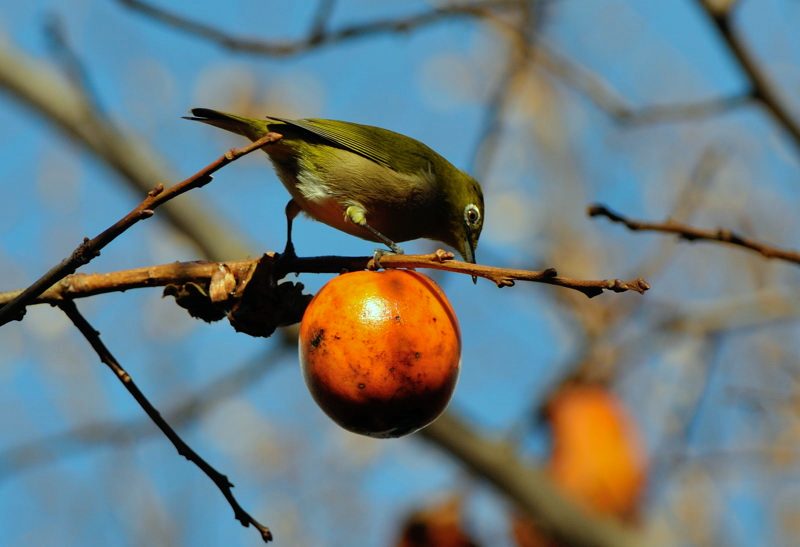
x=367, y=181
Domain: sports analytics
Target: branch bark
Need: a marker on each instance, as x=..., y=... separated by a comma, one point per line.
x=177, y=273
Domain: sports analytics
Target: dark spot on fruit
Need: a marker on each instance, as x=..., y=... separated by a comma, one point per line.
x=417, y=355
x=361, y=386
x=316, y=340
x=397, y=318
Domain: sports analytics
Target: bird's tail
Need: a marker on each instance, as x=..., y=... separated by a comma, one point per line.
x=251, y=128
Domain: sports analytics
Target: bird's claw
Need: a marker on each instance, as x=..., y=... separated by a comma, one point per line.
x=375, y=264
x=287, y=256
x=380, y=253
x=288, y=251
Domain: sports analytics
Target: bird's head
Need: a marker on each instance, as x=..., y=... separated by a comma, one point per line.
x=465, y=214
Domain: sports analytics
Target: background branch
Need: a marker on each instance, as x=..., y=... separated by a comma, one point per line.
x=58, y=39
x=65, y=105
x=762, y=89
x=530, y=488
x=318, y=36
x=603, y=95
x=690, y=233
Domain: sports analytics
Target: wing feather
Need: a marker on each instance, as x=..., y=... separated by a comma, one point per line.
x=364, y=140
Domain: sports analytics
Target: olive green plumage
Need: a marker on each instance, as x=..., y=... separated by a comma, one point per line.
x=367, y=181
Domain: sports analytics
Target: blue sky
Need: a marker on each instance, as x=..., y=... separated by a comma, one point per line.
x=297, y=471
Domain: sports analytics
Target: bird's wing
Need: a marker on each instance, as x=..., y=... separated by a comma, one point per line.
x=363, y=140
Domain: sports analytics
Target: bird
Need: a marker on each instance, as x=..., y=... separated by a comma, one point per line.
x=367, y=181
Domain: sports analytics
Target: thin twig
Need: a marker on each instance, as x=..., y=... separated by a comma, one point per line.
x=222, y=482
x=664, y=465
x=318, y=37
x=588, y=84
x=319, y=24
x=505, y=277
x=84, y=285
x=90, y=248
x=762, y=89
x=690, y=233
x=681, y=112
x=74, y=68
x=520, y=43
x=603, y=96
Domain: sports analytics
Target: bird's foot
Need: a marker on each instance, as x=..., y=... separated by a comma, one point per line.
x=395, y=248
x=375, y=263
x=288, y=251
x=285, y=258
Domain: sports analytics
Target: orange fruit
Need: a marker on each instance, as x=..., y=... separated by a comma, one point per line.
x=380, y=351
x=598, y=457
x=438, y=525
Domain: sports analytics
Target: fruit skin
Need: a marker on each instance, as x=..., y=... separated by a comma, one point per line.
x=598, y=457
x=380, y=351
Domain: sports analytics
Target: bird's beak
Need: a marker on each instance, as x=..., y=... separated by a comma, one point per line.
x=469, y=253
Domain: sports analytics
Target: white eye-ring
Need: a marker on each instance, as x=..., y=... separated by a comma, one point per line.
x=472, y=214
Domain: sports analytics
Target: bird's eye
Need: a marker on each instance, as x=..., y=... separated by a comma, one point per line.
x=471, y=214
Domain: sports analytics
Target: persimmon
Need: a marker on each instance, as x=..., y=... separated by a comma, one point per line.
x=438, y=525
x=598, y=457
x=380, y=351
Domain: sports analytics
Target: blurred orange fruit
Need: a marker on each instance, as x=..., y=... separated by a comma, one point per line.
x=598, y=457
x=439, y=525
x=380, y=351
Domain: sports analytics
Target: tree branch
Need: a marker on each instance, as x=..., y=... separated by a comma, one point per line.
x=318, y=36
x=66, y=106
x=75, y=70
x=505, y=277
x=681, y=112
x=588, y=84
x=603, y=96
x=529, y=487
x=319, y=24
x=761, y=87
x=179, y=273
x=90, y=248
x=690, y=233
x=522, y=38
x=222, y=482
